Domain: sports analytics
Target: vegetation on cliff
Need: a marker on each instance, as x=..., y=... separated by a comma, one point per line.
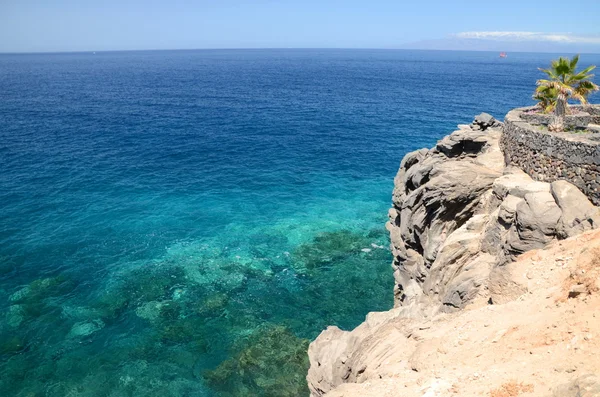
x=564, y=82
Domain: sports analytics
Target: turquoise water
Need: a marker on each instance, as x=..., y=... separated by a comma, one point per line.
x=181, y=223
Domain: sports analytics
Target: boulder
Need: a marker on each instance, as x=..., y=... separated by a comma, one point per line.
x=485, y=121
x=517, y=183
x=578, y=213
x=536, y=220
x=584, y=386
x=462, y=142
x=508, y=208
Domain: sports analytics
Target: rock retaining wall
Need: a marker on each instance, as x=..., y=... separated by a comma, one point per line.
x=547, y=156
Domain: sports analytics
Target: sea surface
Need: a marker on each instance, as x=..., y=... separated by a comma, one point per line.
x=182, y=223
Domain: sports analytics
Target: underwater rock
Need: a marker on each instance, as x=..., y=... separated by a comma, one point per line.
x=214, y=304
x=111, y=305
x=20, y=294
x=12, y=345
x=79, y=312
x=270, y=363
x=150, y=310
x=44, y=287
x=328, y=248
x=223, y=275
x=15, y=316
x=85, y=328
x=153, y=282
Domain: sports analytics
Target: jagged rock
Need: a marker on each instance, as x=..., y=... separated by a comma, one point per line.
x=462, y=142
x=438, y=191
x=338, y=356
x=460, y=269
x=485, y=118
x=578, y=213
x=435, y=193
x=485, y=121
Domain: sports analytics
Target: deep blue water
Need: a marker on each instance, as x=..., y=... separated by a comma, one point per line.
x=164, y=212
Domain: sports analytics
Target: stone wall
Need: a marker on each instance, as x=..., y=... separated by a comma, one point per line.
x=548, y=156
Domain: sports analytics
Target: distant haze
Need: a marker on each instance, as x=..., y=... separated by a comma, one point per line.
x=510, y=25
x=459, y=44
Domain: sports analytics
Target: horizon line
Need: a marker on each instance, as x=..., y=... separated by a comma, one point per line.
x=273, y=48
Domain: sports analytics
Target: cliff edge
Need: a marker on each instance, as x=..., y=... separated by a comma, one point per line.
x=495, y=284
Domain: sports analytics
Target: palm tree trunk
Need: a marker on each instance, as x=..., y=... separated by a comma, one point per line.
x=558, y=120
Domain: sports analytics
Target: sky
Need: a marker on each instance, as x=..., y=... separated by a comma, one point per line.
x=100, y=25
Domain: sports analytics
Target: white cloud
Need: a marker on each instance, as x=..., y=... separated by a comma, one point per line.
x=530, y=36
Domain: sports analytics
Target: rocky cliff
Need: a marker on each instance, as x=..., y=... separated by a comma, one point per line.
x=459, y=222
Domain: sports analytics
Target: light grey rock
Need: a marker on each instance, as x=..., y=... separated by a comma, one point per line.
x=338, y=356
x=517, y=183
x=469, y=283
x=485, y=118
x=584, y=386
x=536, y=220
x=462, y=142
x=578, y=213
x=437, y=191
x=538, y=212
x=460, y=269
x=502, y=286
x=508, y=208
x=393, y=215
x=416, y=176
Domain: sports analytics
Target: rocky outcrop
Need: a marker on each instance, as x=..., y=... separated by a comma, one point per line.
x=458, y=213
x=459, y=220
x=541, y=343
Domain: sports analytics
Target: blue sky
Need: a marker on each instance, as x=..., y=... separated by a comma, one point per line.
x=82, y=25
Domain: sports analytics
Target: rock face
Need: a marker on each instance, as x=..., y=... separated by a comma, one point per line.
x=459, y=219
x=458, y=213
x=436, y=193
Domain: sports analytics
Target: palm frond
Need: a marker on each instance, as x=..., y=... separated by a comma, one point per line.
x=549, y=72
x=564, y=82
x=588, y=85
x=588, y=69
x=574, y=61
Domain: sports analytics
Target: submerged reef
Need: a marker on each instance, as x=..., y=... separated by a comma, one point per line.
x=270, y=363
x=330, y=248
x=201, y=320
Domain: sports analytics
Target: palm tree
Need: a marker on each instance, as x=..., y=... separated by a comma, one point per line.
x=565, y=83
x=546, y=97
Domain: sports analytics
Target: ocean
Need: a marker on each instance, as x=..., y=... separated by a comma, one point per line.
x=183, y=223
